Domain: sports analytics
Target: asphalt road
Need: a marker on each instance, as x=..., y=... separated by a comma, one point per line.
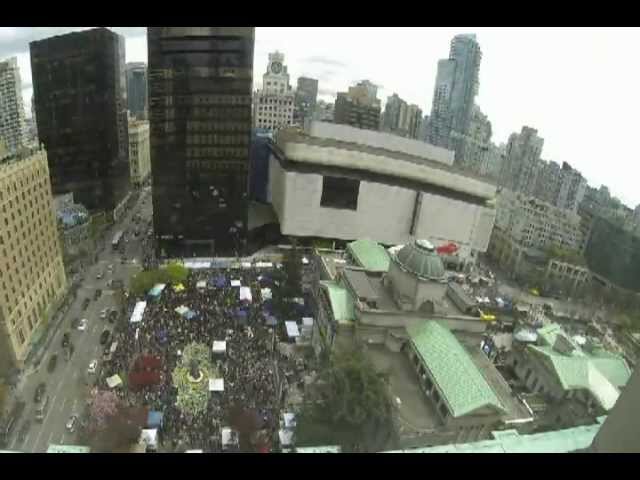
x=67, y=385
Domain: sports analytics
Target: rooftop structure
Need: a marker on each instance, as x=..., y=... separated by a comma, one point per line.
x=369, y=255
x=461, y=385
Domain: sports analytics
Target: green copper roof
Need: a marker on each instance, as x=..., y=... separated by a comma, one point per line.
x=341, y=301
x=421, y=259
x=461, y=383
x=509, y=441
x=599, y=371
x=369, y=255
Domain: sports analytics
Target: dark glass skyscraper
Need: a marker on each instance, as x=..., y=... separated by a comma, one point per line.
x=200, y=84
x=80, y=95
x=137, y=89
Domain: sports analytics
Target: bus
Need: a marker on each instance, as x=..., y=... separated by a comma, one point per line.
x=117, y=239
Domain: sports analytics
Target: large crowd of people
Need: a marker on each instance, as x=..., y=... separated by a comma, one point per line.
x=250, y=366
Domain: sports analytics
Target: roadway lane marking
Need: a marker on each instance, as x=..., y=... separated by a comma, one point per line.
x=35, y=445
x=64, y=400
x=48, y=441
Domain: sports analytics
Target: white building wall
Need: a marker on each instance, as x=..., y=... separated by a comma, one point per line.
x=384, y=213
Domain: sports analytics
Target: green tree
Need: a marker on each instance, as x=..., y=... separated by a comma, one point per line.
x=177, y=273
x=348, y=405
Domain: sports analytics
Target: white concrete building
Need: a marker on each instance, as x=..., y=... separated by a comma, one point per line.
x=273, y=104
x=345, y=183
x=12, y=118
x=139, y=152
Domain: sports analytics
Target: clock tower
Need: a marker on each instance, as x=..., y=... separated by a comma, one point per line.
x=273, y=105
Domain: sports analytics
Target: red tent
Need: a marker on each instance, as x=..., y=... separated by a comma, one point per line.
x=448, y=249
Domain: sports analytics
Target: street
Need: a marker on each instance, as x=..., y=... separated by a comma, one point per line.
x=67, y=386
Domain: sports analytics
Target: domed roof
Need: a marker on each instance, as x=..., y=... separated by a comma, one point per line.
x=421, y=259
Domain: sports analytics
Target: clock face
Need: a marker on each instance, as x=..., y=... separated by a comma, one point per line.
x=276, y=67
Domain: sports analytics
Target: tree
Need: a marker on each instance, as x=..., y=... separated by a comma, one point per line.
x=104, y=405
x=176, y=272
x=349, y=405
x=122, y=430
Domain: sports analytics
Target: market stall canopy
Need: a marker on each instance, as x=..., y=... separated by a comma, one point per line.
x=292, y=329
x=246, y=264
x=149, y=437
x=157, y=290
x=201, y=285
x=286, y=437
x=219, y=346
x=181, y=310
x=236, y=283
x=154, y=419
x=264, y=265
x=219, y=281
x=216, y=385
x=193, y=451
x=289, y=420
x=114, y=381
x=197, y=264
x=228, y=436
x=307, y=321
x=138, y=312
x=245, y=294
x=179, y=288
x=305, y=261
x=266, y=294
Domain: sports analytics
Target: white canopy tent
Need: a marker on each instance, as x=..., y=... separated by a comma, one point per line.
x=197, y=264
x=236, y=283
x=286, y=437
x=149, y=437
x=228, y=437
x=246, y=264
x=219, y=346
x=264, y=265
x=138, y=312
x=216, y=385
x=266, y=294
x=181, y=310
x=292, y=329
x=114, y=381
x=201, y=285
x=194, y=451
x=245, y=294
x=289, y=420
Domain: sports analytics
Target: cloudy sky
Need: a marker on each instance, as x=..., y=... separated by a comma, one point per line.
x=577, y=86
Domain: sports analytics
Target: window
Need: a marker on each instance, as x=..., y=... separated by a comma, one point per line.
x=339, y=192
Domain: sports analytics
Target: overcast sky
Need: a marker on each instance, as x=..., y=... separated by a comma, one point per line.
x=579, y=87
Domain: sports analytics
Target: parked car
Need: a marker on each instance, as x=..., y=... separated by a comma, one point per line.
x=113, y=316
x=40, y=389
x=97, y=294
x=99, y=275
x=53, y=361
x=65, y=340
x=92, y=367
x=103, y=313
x=104, y=337
x=85, y=303
x=71, y=424
x=82, y=326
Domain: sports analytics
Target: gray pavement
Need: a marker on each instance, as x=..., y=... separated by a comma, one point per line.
x=67, y=385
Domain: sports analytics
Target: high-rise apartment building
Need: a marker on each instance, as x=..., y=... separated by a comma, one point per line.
x=137, y=89
x=200, y=84
x=395, y=110
x=359, y=107
x=12, y=118
x=79, y=90
x=306, y=98
x=562, y=186
x=522, y=163
x=273, y=104
x=473, y=152
x=457, y=83
x=32, y=277
x=139, y=152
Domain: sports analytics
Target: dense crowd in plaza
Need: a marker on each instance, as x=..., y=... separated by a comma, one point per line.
x=250, y=366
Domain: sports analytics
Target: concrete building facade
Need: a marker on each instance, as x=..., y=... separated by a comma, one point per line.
x=306, y=98
x=79, y=87
x=137, y=103
x=12, y=116
x=475, y=144
x=273, y=104
x=139, y=153
x=200, y=84
x=359, y=107
x=344, y=183
x=32, y=276
x=521, y=167
x=74, y=227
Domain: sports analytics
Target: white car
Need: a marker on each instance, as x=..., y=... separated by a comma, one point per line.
x=83, y=325
x=99, y=275
x=103, y=313
x=92, y=367
x=110, y=267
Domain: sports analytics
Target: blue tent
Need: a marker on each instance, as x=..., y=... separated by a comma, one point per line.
x=154, y=419
x=219, y=281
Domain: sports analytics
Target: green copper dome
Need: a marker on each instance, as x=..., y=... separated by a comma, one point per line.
x=421, y=259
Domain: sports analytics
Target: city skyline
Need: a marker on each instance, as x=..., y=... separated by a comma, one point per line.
x=547, y=79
